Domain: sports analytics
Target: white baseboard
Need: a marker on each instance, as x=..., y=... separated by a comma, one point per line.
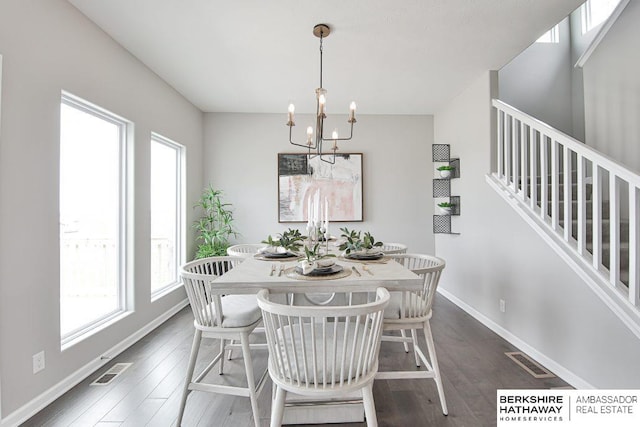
x=34, y=406
x=568, y=376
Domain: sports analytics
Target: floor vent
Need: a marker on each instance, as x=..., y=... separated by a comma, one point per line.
x=111, y=374
x=529, y=365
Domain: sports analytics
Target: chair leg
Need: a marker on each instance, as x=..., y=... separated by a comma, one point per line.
x=195, y=347
x=434, y=363
x=414, y=337
x=404, y=335
x=221, y=367
x=369, y=406
x=277, y=407
x=230, y=352
x=251, y=383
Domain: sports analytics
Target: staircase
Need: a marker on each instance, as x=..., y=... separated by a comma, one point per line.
x=584, y=204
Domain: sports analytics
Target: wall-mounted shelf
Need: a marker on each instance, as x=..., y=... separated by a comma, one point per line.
x=441, y=153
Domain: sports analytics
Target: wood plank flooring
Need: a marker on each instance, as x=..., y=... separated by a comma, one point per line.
x=471, y=357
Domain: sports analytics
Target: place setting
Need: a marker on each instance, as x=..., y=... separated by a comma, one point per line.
x=355, y=247
x=286, y=247
x=317, y=265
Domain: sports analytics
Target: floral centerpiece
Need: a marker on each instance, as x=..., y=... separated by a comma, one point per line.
x=289, y=241
x=314, y=258
x=355, y=243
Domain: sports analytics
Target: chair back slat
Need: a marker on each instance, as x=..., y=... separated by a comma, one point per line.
x=244, y=250
x=197, y=277
x=315, y=347
x=417, y=304
x=393, y=248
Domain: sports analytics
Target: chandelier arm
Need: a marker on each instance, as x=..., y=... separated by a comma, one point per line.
x=339, y=139
x=310, y=147
x=331, y=162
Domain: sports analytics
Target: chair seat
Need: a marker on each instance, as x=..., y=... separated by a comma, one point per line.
x=284, y=334
x=239, y=311
x=393, y=310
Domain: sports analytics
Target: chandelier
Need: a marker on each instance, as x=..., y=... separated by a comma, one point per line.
x=315, y=141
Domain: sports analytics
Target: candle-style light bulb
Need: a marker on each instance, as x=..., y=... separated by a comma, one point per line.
x=322, y=100
x=352, y=111
x=334, y=136
x=292, y=109
x=309, y=135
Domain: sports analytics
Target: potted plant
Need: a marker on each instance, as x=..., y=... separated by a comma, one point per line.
x=446, y=171
x=354, y=243
x=215, y=227
x=446, y=207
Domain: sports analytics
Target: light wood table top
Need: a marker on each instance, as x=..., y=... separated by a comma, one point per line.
x=252, y=275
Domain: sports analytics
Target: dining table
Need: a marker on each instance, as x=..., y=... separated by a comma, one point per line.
x=279, y=275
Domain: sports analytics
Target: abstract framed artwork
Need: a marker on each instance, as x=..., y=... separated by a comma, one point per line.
x=302, y=177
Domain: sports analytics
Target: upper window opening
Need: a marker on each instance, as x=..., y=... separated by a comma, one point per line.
x=551, y=36
x=595, y=12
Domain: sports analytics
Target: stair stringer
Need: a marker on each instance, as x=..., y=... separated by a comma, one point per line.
x=599, y=284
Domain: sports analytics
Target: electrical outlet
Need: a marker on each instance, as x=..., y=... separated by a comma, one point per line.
x=38, y=362
x=503, y=306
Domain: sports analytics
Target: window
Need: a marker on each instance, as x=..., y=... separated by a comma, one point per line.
x=93, y=208
x=166, y=213
x=595, y=12
x=551, y=36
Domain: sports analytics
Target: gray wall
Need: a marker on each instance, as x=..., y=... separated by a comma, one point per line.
x=48, y=46
x=538, y=81
x=240, y=157
x=612, y=91
x=549, y=310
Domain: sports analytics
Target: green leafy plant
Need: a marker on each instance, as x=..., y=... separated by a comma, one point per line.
x=355, y=243
x=446, y=205
x=445, y=168
x=291, y=240
x=215, y=227
x=313, y=254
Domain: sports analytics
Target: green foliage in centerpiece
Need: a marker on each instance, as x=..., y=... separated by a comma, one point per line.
x=445, y=168
x=290, y=240
x=355, y=243
x=313, y=254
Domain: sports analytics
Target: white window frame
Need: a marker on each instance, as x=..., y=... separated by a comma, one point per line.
x=125, y=216
x=180, y=213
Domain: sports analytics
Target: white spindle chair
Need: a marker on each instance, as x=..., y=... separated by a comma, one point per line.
x=323, y=351
x=393, y=248
x=228, y=317
x=244, y=250
x=411, y=310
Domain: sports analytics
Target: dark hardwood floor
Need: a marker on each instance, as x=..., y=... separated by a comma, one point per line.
x=471, y=357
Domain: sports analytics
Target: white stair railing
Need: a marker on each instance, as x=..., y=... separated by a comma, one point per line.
x=584, y=200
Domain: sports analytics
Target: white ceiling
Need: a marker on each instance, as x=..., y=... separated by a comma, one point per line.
x=391, y=57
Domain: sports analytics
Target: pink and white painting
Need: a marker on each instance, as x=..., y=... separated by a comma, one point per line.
x=303, y=181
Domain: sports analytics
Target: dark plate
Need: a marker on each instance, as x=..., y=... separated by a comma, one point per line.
x=278, y=255
x=323, y=271
x=365, y=256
